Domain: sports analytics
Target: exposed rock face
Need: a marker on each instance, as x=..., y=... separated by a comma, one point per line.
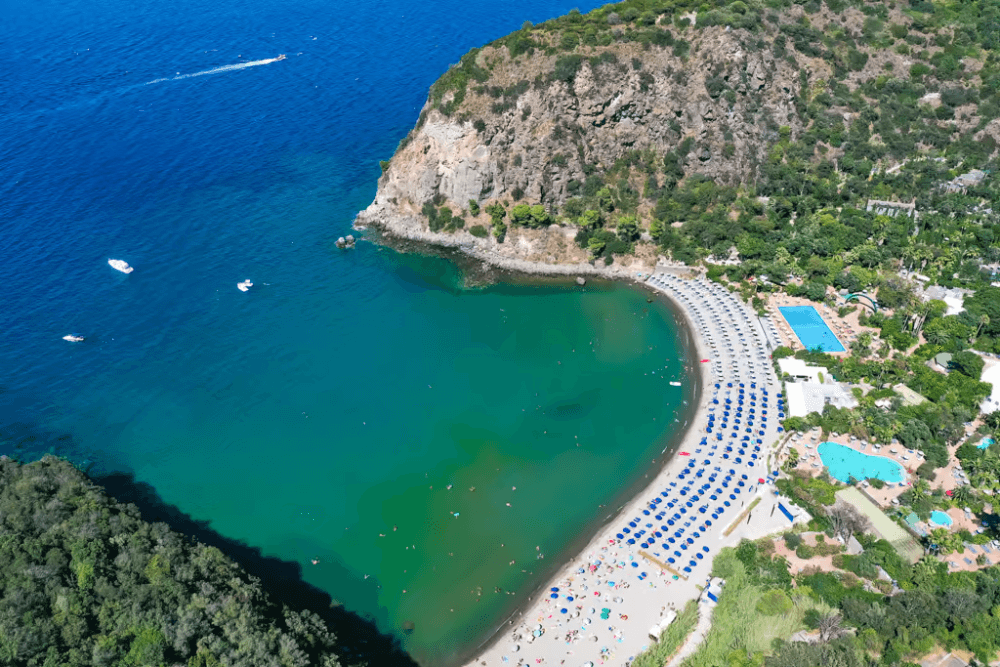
x=728, y=98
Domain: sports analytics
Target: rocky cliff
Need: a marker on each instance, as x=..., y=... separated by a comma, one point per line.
x=590, y=122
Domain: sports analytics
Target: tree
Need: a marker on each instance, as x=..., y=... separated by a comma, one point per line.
x=539, y=216
x=596, y=245
x=986, y=301
x=944, y=541
x=847, y=521
x=520, y=214
x=831, y=627
x=967, y=363
x=590, y=219
x=628, y=230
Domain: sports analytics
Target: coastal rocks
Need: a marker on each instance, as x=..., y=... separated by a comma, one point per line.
x=580, y=281
x=345, y=241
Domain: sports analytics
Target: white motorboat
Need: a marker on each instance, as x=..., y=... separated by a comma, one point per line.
x=675, y=384
x=244, y=286
x=120, y=265
x=73, y=338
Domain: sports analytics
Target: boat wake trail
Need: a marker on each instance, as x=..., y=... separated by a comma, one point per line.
x=219, y=70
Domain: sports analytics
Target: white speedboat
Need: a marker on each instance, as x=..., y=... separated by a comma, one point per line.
x=244, y=286
x=120, y=265
x=675, y=384
x=73, y=338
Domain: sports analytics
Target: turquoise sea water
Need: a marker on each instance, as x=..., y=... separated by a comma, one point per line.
x=940, y=518
x=811, y=328
x=338, y=399
x=845, y=463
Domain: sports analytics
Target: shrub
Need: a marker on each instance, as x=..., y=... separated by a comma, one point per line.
x=478, y=231
x=805, y=552
x=473, y=207
x=566, y=68
x=774, y=603
x=792, y=540
x=480, y=125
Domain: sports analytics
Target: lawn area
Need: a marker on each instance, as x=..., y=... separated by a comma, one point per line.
x=749, y=616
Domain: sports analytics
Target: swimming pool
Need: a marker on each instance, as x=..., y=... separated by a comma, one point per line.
x=845, y=463
x=986, y=442
x=811, y=329
x=940, y=518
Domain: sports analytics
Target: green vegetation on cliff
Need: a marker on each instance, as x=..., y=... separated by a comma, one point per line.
x=878, y=101
x=84, y=581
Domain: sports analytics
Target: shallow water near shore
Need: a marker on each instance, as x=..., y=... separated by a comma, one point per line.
x=338, y=399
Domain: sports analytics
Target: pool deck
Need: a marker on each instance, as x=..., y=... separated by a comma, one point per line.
x=871, y=453
x=810, y=460
x=945, y=479
x=846, y=329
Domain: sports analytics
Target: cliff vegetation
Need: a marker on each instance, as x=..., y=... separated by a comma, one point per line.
x=752, y=131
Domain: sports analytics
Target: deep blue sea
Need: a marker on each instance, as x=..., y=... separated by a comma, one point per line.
x=338, y=399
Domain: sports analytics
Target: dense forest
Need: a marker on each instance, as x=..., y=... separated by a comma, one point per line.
x=85, y=581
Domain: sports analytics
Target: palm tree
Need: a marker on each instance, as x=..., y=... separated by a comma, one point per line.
x=984, y=320
x=962, y=495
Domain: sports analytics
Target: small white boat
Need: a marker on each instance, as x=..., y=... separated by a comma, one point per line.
x=675, y=384
x=244, y=286
x=73, y=338
x=120, y=265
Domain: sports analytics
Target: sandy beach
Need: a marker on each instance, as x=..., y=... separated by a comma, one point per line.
x=566, y=622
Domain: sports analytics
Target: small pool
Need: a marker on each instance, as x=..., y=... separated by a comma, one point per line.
x=844, y=463
x=811, y=329
x=940, y=518
x=986, y=442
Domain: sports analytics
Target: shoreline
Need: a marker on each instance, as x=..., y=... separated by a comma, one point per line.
x=632, y=496
x=375, y=218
